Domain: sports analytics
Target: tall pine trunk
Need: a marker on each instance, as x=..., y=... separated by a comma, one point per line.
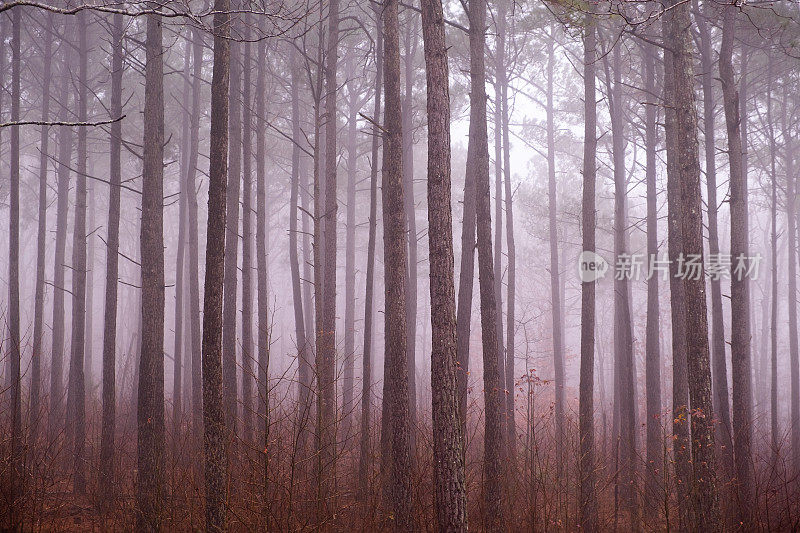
x=741, y=368
x=150, y=486
x=395, y=259
x=215, y=445
x=588, y=503
x=112, y=269
x=448, y=438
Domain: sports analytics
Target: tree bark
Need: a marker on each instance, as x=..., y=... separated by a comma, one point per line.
x=655, y=444
x=229, y=310
x=213, y=409
x=366, y=380
x=247, y=239
x=76, y=405
x=555, y=284
x=588, y=503
x=350, y=254
x=150, y=486
x=38, y=313
x=719, y=369
x=395, y=253
x=112, y=268
x=65, y=140
x=741, y=368
x=17, y=454
x=411, y=36
x=448, y=437
x=493, y=386
x=704, y=495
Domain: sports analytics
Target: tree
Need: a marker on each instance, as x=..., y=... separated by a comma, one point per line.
x=654, y=450
x=76, y=404
x=38, y=313
x=493, y=386
x=214, y=440
x=112, y=267
x=448, y=448
x=17, y=458
x=719, y=368
x=740, y=288
x=150, y=487
x=229, y=310
x=366, y=380
x=588, y=503
x=704, y=496
x=395, y=260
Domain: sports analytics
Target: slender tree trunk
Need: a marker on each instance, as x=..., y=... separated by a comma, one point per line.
x=213, y=409
x=411, y=36
x=38, y=313
x=247, y=239
x=262, y=299
x=704, y=494
x=17, y=454
x=448, y=438
x=398, y=482
x=350, y=254
x=229, y=367
x=112, y=269
x=493, y=386
x=719, y=367
x=177, y=363
x=680, y=385
x=741, y=368
x=366, y=380
x=555, y=284
x=655, y=444
x=194, y=255
x=773, y=330
x=303, y=352
x=624, y=373
x=150, y=486
x=76, y=405
x=512, y=250
x=65, y=139
x=91, y=207
x=588, y=503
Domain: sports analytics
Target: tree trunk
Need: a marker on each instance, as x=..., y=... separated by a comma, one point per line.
x=555, y=284
x=588, y=503
x=773, y=330
x=448, y=437
x=411, y=36
x=194, y=255
x=655, y=444
x=366, y=380
x=262, y=299
x=350, y=255
x=17, y=454
x=76, y=405
x=326, y=349
x=38, y=313
x=705, y=502
x=213, y=409
x=150, y=486
x=177, y=362
x=112, y=269
x=624, y=373
x=493, y=386
x=229, y=366
x=719, y=369
x=65, y=139
x=741, y=369
x=247, y=239
x=398, y=482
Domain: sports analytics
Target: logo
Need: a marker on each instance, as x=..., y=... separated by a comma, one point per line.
x=591, y=267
